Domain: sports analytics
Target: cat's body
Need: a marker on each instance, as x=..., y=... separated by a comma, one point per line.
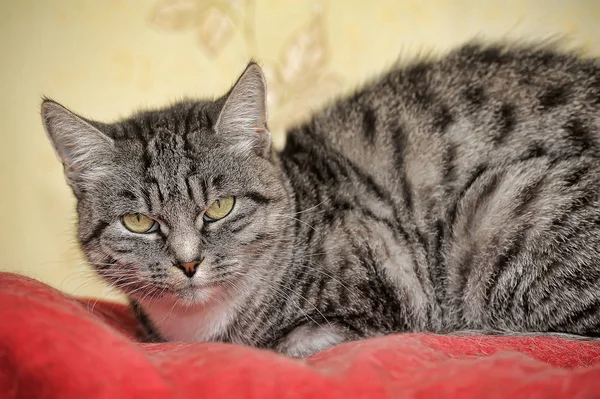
x=449, y=195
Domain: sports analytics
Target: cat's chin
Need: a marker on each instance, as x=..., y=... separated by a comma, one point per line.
x=196, y=295
x=190, y=296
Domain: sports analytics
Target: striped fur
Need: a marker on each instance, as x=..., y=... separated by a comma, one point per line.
x=457, y=194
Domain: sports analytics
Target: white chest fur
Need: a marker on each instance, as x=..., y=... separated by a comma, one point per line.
x=204, y=322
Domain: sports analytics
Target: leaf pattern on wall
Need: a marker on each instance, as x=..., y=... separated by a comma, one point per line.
x=215, y=29
x=299, y=80
x=174, y=15
x=212, y=21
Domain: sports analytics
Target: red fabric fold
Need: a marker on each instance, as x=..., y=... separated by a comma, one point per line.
x=55, y=346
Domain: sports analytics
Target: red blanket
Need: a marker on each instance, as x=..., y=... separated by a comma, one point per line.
x=55, y=346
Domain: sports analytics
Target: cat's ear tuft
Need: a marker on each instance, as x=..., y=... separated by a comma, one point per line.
x=243, y=118
x=80, y=147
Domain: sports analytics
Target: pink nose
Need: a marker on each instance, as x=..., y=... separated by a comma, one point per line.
x=189, y=268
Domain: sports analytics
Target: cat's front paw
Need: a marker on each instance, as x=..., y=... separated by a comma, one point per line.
x=309, y=339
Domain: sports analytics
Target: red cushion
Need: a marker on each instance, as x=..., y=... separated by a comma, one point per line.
x=55, y=346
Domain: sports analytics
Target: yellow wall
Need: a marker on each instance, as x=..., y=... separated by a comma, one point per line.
x=105, y=58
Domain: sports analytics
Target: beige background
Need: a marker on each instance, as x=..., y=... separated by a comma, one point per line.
x=105, y=59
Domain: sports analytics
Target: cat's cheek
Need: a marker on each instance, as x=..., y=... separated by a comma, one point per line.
x=309, y=339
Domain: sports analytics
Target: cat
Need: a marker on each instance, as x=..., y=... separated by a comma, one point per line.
x=458, y=193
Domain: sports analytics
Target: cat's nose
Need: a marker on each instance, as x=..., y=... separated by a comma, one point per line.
x=189, y=268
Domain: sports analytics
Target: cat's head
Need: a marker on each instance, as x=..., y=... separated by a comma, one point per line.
x=179, y=203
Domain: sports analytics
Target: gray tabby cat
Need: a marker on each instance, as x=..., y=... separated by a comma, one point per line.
x=448, y=195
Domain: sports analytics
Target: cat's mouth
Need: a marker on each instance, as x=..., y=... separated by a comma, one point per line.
x=195, y=292
x=189, y=295
x=188, y=292
x=193, y=284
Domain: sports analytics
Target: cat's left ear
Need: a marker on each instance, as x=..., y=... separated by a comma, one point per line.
x=243, y=118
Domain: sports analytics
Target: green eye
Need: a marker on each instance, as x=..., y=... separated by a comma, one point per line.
x=219, y=209
x=138, y=223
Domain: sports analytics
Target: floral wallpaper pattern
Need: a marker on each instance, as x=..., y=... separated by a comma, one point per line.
x=299, y=78
x=106, y=59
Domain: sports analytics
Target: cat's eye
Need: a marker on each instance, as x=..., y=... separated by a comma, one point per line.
x=138, y=223
x=219, y=209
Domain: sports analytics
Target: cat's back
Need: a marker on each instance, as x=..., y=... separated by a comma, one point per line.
x=434, y=121
x=473, y=79
x=445, y=168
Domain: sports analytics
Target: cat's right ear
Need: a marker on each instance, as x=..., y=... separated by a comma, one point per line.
x=81, y=147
